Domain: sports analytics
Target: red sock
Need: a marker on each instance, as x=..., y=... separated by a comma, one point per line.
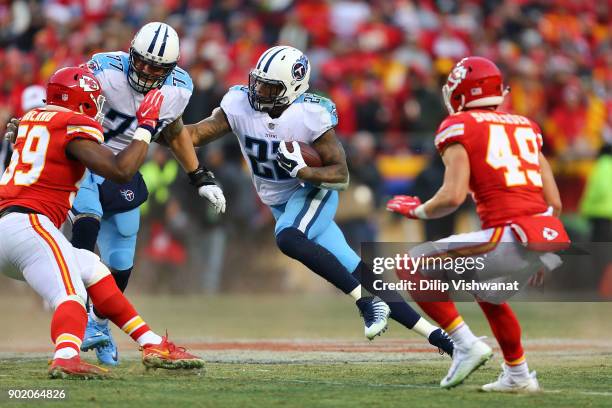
x=506, y=329
x=444, y=313
x=108, y=299
x=68, y=325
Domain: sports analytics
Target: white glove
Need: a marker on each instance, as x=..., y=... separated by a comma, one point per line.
x=214, y=194
x=291, y=162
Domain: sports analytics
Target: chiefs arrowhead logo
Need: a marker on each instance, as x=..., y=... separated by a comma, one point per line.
x=457, y=75
x=549, y=234
x=88, y=84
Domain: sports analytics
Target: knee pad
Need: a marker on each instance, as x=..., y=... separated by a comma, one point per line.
x=85, y=229
x=121, y=277
x=100, y=272
x=121, y=259
x=289, y=240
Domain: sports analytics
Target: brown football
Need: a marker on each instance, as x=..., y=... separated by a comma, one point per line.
x=310, y=155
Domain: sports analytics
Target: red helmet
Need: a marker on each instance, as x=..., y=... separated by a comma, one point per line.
x=77, y=89
x=474, y=82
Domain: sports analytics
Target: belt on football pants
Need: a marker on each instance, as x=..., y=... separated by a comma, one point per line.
x=16, y=209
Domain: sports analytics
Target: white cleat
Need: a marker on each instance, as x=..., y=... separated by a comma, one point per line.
x=465, y=362
x=508, y=383
x=375, y=315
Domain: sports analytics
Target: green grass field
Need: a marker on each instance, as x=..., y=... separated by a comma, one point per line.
x=309, y=351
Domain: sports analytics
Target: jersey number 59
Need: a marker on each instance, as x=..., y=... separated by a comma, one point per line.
x=33, y=154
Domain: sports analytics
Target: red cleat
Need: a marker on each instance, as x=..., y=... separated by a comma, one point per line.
x=169, y=356
x=75, y=368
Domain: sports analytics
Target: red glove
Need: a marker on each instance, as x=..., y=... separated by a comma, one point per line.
x=148, y=112
x=404, y=205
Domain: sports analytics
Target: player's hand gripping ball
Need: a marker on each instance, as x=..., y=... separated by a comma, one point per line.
x=294, y=156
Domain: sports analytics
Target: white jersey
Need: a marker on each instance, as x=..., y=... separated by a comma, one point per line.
x=122, y=102
x=307, y=118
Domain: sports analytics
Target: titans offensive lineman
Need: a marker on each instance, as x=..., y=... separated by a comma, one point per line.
x=266, y=116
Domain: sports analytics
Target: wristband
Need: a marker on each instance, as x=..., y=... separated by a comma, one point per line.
x=143, y=134
x=201, y=176
x=419, y=212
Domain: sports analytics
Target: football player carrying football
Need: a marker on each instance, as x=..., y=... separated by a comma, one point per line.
x=107, y=213
x=54, y=146
x=269, y=114
x=497, y=156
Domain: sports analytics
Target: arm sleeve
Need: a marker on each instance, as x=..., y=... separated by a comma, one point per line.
x=449, y=132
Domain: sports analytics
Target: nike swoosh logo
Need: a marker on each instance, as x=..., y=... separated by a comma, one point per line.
x=162, y=352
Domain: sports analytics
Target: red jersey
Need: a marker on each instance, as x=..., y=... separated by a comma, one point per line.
x=41, y=176
x=503, y=150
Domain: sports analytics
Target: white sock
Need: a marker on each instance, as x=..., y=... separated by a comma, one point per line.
x=99, y=320
x=424, y=328
x=463, y=336
x=65, y=352
x=519, y=370
x=356, y=293
x=149, y=338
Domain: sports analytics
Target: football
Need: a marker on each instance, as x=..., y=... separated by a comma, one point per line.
x=310, y=155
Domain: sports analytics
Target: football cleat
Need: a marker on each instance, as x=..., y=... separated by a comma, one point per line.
x=169, y=356
x=107, y=353
x=506, y=382
x=375, y=315
x=94, y=336
x=66, y=368
x=465, y=362
x=440, y=339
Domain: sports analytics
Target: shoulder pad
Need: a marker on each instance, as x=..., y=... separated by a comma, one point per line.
x=235, y=101
x=116, y=61
x=79, y=125
x=180, y=79
x=320, y=112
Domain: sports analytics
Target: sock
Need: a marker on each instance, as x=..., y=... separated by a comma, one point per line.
x=85, y=233
x=443, y=313
x=424, y=328
x=507, y=331
x=108, y=299
x=121, y=279
x=293, y=243
x=356, y=293
x=96, y=317
x=461, y=333
x=401, y=311
x=518, y=370
x=149, y=338
x=68, y=328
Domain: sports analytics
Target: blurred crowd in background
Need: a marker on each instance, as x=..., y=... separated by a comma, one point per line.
x=381, y=61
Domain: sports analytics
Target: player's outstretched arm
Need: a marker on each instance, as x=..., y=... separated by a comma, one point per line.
x=101, y=160
x=122, y=167
x=180, y=138
x=455, y=186
x=209, y=129
x=334, y=172
x=549, y=186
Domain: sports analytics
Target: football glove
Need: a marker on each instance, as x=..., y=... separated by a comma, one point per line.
x=148, y=111
x=204, y=180
x=291, y=162
x=11, y=130
x=407, y=206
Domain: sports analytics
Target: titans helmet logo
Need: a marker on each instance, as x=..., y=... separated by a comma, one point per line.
x=299, y=69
